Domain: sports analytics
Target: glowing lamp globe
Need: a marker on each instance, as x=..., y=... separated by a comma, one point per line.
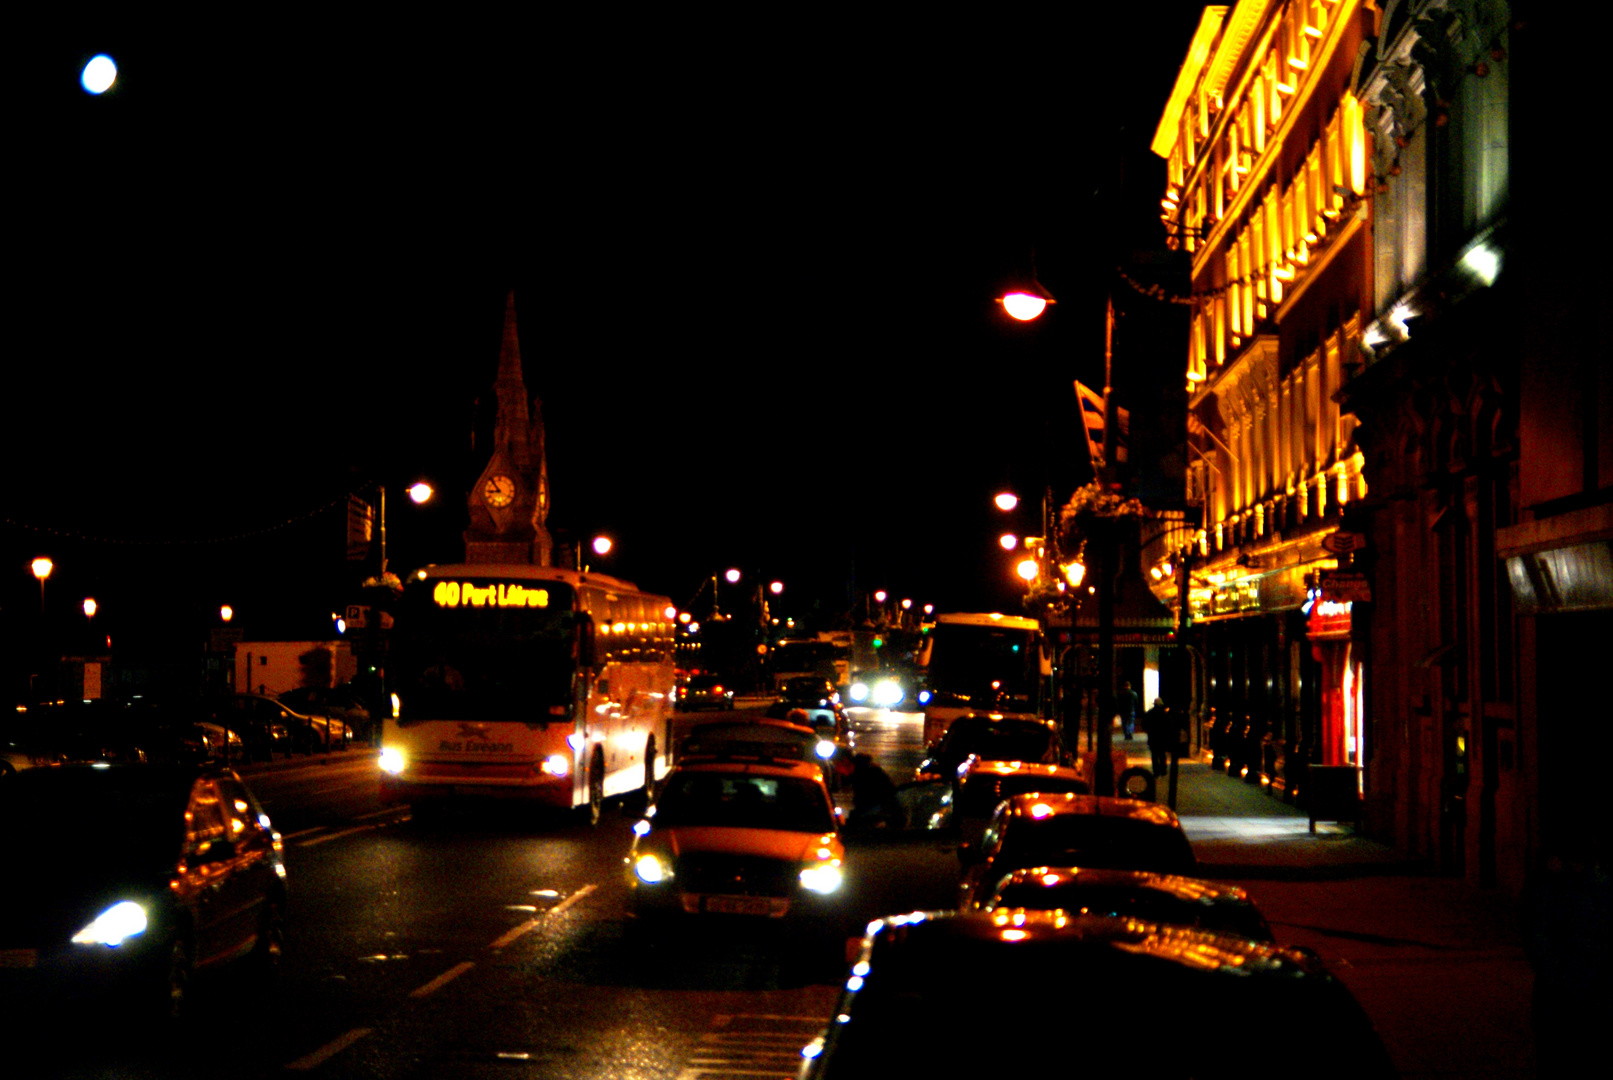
x=1024, y=306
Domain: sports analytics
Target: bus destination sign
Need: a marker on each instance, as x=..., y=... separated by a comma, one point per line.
x=455, y=594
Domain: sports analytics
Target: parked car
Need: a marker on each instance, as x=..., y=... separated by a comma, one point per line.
x=983, y=785
x=704, y=692
x=1132, y=894
x=1045, y=994
x=993, y=738
x=342, y=702
x=128, y=880
x=742, y=844
x=269, y=726
x=1074, y=830
x=107, y=730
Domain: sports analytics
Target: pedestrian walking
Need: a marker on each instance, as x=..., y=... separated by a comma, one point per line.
x=1126, y=706
x=1160, y=727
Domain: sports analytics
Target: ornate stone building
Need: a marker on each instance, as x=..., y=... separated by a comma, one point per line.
x=1266, y=183
x=1485, y=407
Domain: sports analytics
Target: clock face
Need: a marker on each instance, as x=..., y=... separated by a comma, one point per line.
x=499, y=490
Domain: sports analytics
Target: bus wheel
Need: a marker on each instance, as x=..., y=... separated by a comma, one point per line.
x=596, y=789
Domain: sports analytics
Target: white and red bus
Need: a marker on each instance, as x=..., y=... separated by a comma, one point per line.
x=526, y=682
x=984, y=663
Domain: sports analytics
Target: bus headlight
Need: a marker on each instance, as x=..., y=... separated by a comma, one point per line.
x=823, y=878
x=651, y=870
x=556, y=765
x=392, y=760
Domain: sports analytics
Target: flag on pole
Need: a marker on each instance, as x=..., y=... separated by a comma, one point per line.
x=1092, y=417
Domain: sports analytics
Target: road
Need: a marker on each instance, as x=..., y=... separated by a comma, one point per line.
x=493, y=945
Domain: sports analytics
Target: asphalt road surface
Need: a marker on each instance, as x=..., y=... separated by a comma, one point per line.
x=493, y=944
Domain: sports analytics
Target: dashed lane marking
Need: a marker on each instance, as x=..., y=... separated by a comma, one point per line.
x=517, y=931
x=329, y=1050
x=441, y=980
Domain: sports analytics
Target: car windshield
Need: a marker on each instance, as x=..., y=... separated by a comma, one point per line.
x=760, y=740
x=996, y=740
x=744, y=802
x=982, y=792
x=1111, y=843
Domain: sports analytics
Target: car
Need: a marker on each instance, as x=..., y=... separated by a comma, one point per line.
x=813, y=695
x=268, y=726
x=1051, y=993
x=342, y=702
x=983, y=785
x=879, y=689
x=704, y=692
x=129, y=879
x=108, y=730
x=993, y=737
x=1074, y=830
x=1132, y=894
x=740, y=844
x=782, y=740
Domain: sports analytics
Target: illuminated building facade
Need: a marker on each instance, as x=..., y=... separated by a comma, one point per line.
x=1267, y=177
x=1486, y=419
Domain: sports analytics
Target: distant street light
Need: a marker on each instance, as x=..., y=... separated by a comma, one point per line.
x=732, y=577
x=1027, y=569
x=1006, y=501
x=775, y=587
x=420, y=492
x=42, y=567
x=1008, y=541
x=879, y=596
x=226, y=612
x=602, y=545
x=99, y=74
x=89, y=607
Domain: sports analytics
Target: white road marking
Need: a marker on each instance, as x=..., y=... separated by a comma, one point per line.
x=517, y=931
x=763, y=1045
x=329, y=1050
x=335, y=835
x=441, y=980
x=302, y=832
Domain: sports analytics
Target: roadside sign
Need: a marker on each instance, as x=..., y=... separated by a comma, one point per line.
x=1344, y=587
x=1342, y=543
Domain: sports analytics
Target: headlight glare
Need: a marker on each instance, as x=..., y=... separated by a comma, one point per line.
x=557, y=764
x=114, y=925
x=651, y=870
x=825, y=749
x=823, y=878
x=392, y=760
x=859, y=692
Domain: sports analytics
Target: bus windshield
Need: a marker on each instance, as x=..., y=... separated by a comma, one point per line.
x=966, y=661
x=485, y=650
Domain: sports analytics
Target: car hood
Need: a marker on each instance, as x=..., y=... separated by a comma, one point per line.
x=768, y=843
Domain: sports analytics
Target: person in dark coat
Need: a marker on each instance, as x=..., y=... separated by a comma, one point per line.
x=1161, y=729
x=1126, y=706
x=873, y=796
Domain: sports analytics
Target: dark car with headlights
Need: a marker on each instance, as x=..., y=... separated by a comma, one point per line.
x=126, y=881
x=990, y=737
x=742, y=844
x=1085, y=996
x=1132, y=894
x=1041, y=829
x=781, y=740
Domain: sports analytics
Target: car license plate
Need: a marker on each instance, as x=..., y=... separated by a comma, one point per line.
x=739, y=905
x=19, y=958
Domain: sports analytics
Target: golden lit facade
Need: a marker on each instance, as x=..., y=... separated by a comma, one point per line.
x=1267, y=169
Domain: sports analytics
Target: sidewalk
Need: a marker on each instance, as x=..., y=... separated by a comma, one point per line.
x=1437, y=964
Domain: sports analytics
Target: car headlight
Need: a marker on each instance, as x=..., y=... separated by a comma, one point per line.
x=887, y=692
x=392, y=760
x=924, y=697
x=651, y=870
x=859, y=692
x=823, y=878
x=114, y=925
x=825, y=749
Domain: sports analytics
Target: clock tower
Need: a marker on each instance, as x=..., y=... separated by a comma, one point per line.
x=509, y=502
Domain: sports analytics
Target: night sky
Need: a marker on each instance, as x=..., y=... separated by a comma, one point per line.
x=754, y=265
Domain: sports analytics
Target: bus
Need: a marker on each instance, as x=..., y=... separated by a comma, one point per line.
x=530, y=683
x=984, y=663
